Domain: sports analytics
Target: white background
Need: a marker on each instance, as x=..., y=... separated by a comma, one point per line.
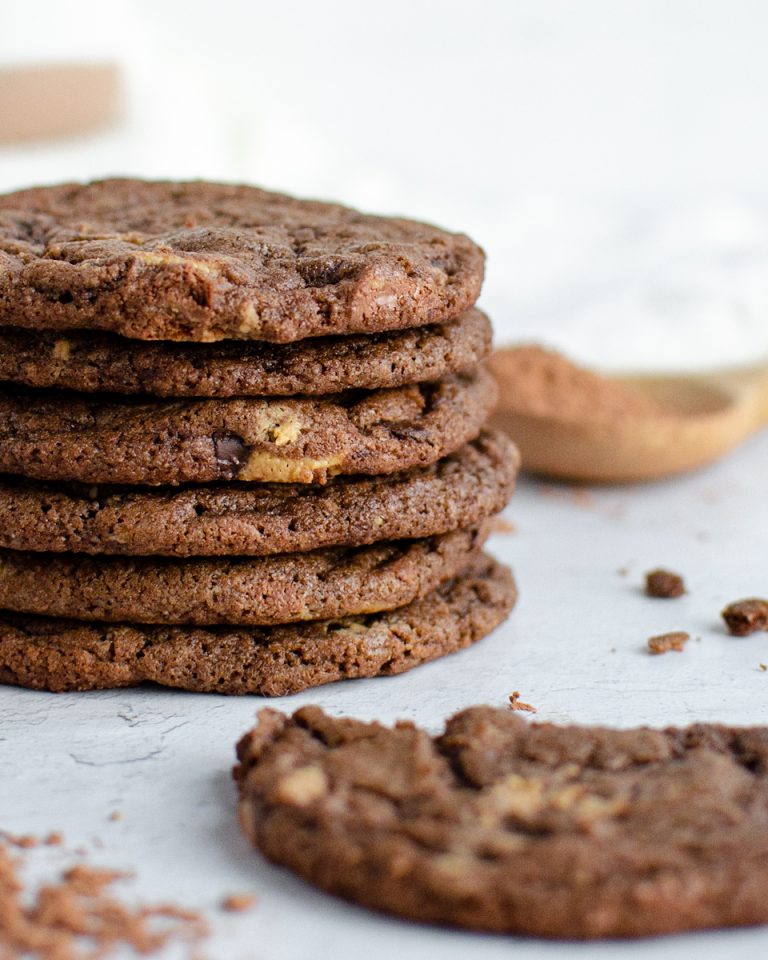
x=611, y=157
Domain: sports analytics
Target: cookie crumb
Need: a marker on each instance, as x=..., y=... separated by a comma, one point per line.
x=579, y=496
x=77, y=916
x=237, y=902
x=115, y=816
x=746, y=616
x=515, y=703
x=664, y=584
x=54, y=839
x=582, y=497
x=23, y=841
x=669, y=641
x=762, y=666
x=623, y=571
x=502, y=525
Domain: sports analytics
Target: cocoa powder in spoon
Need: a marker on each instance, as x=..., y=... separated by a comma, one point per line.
x=544, y=383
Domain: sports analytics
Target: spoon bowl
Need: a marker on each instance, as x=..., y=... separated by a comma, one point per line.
x=693, y=420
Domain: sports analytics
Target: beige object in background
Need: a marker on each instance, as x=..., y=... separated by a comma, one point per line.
x=49, y=102
x=572, y=424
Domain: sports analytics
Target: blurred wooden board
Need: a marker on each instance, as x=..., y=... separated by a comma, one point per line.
x=55, y=101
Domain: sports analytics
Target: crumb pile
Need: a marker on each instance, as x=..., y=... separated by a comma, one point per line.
x=79, y=917
x=242, y=440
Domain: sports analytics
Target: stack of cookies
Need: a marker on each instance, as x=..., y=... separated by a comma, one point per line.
x=241, y=439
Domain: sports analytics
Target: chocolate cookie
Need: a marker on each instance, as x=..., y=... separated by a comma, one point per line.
x=257, y=520
x=503, y=825
x=206, y=261
x=240, y=590
x=103, y=440
x=272, y=661
x=91, y=362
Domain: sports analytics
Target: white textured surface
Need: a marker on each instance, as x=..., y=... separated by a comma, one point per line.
x=611, y=158
x=574, y=648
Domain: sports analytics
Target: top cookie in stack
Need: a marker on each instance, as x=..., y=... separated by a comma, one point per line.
x=242, y=438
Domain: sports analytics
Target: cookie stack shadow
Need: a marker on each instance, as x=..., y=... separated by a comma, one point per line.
x=242, y=441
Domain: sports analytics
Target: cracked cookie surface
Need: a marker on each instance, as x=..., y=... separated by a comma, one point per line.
x=205, y=261
x=504, y=825
x=52, y=654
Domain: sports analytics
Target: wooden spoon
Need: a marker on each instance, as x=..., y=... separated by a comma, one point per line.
x=57, y=100
x=690, y=420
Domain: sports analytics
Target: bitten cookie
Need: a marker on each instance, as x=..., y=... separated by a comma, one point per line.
x=206, y=261
x=503, y=825
x=58, y=655
x=92, y=362
x=258, y=520
x=240, y=590
x=288, y=440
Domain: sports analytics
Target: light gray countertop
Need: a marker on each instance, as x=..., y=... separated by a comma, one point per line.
x=575, y=648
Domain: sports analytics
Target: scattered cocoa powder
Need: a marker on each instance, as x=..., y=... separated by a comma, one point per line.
x=24, y=841
x=515, y=703
x=664, y=584
x=540, y=382
x=502, y=525
x=237, y=902
x=669, y=641
x=77, y=918
x=746, y=616
x=580, y=496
